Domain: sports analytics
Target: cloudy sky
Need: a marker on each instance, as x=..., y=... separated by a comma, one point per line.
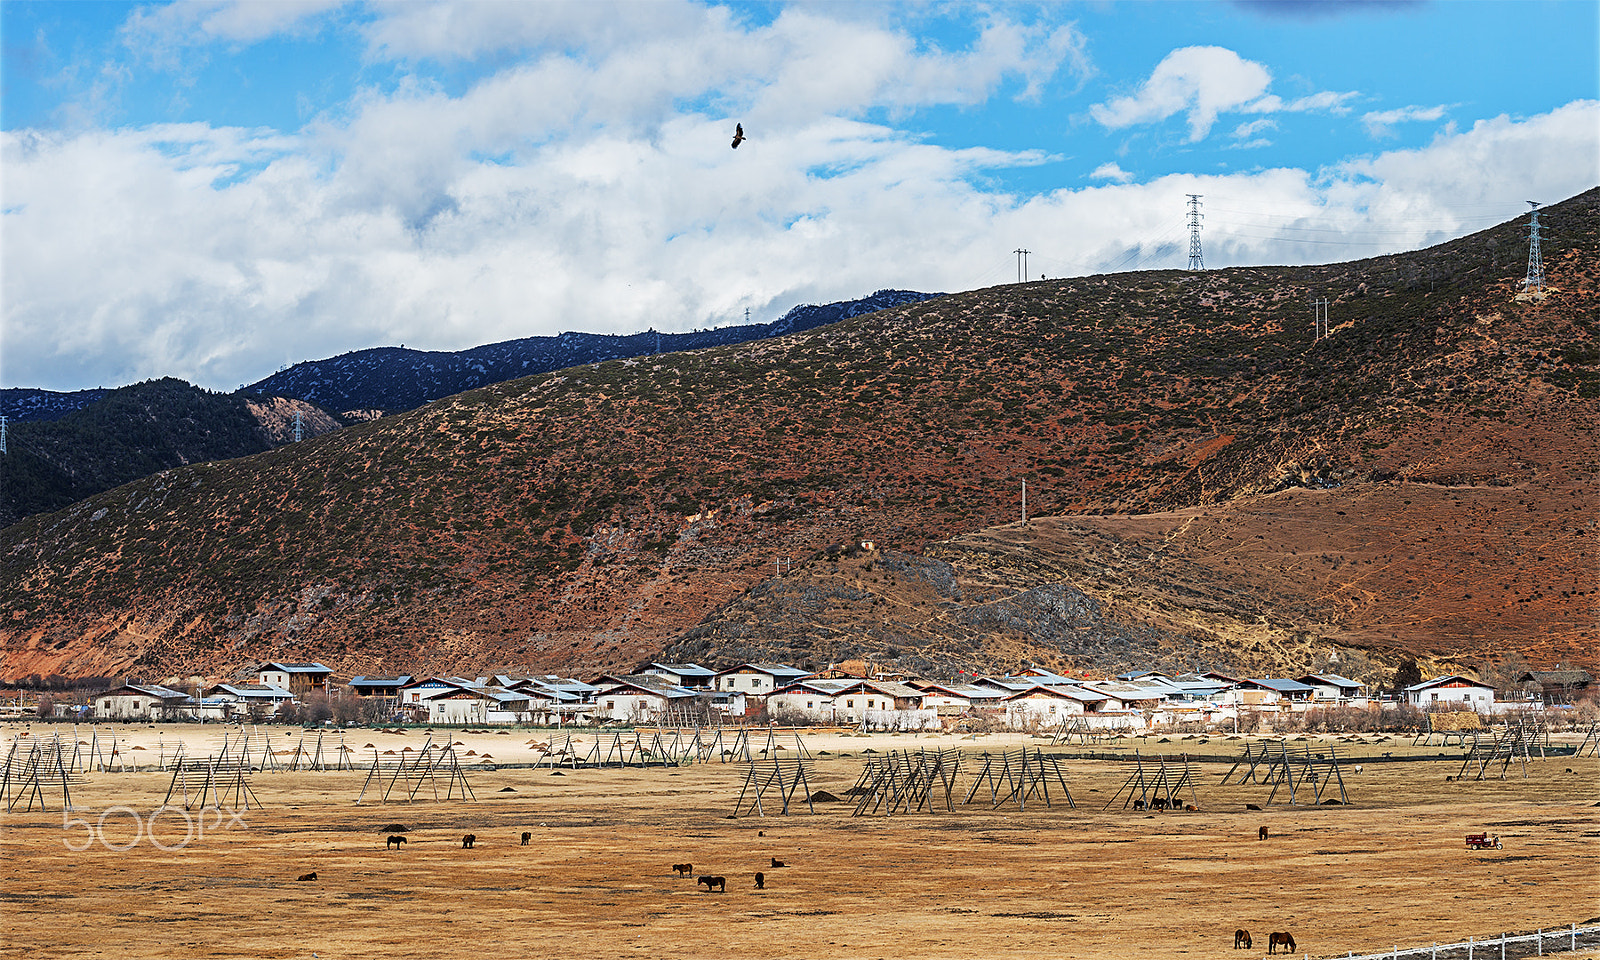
x=214, y=190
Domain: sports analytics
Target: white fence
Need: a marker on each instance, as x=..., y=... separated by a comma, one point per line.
x=1494, y=947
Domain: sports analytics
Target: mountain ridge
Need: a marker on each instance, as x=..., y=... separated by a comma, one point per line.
x=595, y=517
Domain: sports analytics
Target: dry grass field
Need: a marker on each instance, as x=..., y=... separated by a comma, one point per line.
x=595, y=881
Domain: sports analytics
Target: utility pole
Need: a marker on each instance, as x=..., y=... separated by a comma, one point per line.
x=1024, y=503
x=1196, y=260
x=1535, y=282
x=1319, y=319
x=1022, y=263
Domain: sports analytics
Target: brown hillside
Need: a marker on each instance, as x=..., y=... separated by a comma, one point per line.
x=590, y=518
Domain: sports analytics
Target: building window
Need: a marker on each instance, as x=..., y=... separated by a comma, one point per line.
x=849, y=703
x=869, y=704
x=809, y=704
x=611, y=704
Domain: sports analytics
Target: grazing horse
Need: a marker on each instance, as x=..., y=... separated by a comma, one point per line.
x=468, y=840
x=714, y=883
x=778, y=863
x=1241, y=939
x=684, y=869
x=1276, y=940
x=1261, y=834
x=1138, y=804
x=394, y=841
x=526, y=836
x=761, y=880
x=307, y=876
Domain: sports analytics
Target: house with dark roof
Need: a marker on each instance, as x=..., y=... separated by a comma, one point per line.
x=298, y=678
x=757, y=679
x=1330, y=687
x=381, y=686
x=640, y=698
x=141, y=701
x=1556, y=686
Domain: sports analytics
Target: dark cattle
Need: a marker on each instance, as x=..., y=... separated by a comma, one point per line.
x=1241, y=939
x=761, y=881
x=1138, y=804
x=1159, y=803
x=1261, y=834
x=684, y=869
x=468, y=840
x=714, y=883
x=394, y=841
x=1275, y=940
x=307, y=876
x=526, y=837
x=1189, y=807
x=778, y=863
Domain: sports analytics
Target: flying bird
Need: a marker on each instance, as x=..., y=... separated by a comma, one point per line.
x=738, y=135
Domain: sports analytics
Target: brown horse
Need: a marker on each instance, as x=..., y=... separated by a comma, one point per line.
x=714, y=883
x=684, y=869
x=468, y=840
x=1261, y=834
x=307, y=876
x=526, y=836
x=1241, y=939
x=761, y=881
x=1274, y=941
x=394, y=841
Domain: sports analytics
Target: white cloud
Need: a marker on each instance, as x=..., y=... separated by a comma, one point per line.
x=1381, y=123
x=1112, y=172
x=160, y=31
x=589, y=185
x=1253, y=127
x=1205, y=82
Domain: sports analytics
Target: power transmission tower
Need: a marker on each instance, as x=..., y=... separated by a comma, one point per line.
x=1196, y=260
x=1022, y=263
x=299, y=426
x=2, y=434
x=1535, y=282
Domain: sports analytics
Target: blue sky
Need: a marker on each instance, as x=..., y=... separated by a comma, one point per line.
x=212, y=190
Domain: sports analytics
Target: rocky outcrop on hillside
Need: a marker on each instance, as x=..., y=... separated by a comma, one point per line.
x=1217, y=489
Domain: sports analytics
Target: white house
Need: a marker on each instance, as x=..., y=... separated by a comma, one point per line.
x=486, y=705
x=758, y=679
x=298, y=678
x=882, y=704
x=639, y=698
x=1444, y=691
x=691, y=676
x=135, y=701
x=240, y=697
x=1049, y=706
x=1332, y=687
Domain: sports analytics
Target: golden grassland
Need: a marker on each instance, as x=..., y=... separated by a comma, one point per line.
x=595, y=880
